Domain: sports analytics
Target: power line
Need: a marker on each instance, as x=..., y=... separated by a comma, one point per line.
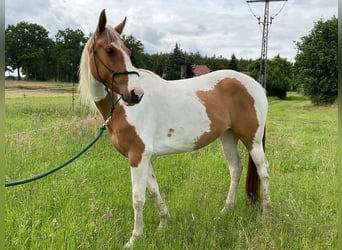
x=266, y=23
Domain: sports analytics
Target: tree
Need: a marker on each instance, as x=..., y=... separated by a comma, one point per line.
x=233, y=63
x=278, y=77
x=137, y=50
x=159, y=63
x=194, y=58
x=176, y=60
x=242, y=64
x=316, y=62
x=68, y=50
x=217, y=63
x=26, y=48
x=189, y=71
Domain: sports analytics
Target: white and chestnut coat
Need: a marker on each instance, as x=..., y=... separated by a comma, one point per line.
x=173, y=117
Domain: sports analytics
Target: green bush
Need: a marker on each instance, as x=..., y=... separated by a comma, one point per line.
x=278, y=77
x=316, y=62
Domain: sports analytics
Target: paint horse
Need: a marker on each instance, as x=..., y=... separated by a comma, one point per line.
x=153, y=116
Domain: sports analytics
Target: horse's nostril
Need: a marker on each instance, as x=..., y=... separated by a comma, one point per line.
x=134, y=97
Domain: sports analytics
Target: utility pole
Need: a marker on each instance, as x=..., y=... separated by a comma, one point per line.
x=267, y=21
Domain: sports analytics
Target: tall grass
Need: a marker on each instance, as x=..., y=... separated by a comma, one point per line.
x=88, y=204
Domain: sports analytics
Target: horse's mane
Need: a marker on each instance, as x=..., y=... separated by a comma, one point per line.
x=83, y=88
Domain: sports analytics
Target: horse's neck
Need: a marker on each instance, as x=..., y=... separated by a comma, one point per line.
x=146, y=75
x=105, y=104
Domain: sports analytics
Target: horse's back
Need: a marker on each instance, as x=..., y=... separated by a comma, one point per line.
x=230, y=84
x=252, y=86
x=205, y=82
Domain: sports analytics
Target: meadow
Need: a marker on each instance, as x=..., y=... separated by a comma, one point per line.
x=87, y=205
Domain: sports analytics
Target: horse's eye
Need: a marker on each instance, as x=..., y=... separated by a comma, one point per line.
x=109, y=51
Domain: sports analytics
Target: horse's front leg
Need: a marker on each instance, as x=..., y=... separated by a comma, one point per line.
x=139, y=177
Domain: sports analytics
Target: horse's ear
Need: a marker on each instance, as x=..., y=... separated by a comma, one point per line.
x=121, y=26
x=102, y=22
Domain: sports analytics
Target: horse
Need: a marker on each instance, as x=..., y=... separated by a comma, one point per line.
x=152, y=116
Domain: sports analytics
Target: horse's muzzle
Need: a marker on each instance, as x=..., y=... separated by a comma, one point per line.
x=133, y=97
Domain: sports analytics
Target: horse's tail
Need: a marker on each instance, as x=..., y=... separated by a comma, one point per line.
x=253, y=179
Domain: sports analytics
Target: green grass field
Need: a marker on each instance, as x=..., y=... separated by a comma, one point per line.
x=87, y=205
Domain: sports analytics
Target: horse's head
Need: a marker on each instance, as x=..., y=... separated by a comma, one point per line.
x=110, y=62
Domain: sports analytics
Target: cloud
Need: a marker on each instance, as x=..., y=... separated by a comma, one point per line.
x=220, y=27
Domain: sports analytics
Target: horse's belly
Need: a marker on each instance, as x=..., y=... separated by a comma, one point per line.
x=178, y=139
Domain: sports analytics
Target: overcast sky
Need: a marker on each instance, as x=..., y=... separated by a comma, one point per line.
x=211, y=27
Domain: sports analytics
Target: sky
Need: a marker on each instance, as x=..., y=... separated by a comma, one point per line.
x=210, y=27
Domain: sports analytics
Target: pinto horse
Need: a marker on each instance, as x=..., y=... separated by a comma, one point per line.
x=153, y=116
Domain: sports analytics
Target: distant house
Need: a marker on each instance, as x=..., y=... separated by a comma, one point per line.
x=200, y=70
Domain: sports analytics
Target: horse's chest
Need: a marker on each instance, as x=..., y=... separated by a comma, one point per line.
x=124, y=136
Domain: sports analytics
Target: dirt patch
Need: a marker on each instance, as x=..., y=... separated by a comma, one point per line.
x=27, y=88
x=24, y=93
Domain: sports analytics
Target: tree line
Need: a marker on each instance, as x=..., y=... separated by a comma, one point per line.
x=30, y=51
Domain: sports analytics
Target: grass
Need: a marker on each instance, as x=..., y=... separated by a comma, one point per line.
x=88, y=204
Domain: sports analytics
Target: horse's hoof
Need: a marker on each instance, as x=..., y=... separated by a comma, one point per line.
x=164, y=221
x=266, y=210
x=227, y=207
x=129, y=244
x=224, y=210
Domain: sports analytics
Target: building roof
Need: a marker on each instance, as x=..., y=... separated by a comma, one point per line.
x=200, y=70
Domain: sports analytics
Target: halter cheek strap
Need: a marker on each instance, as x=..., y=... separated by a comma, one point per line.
x=113, y=73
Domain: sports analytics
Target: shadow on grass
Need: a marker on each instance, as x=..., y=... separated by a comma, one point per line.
x=290, y=96
x=295, y=97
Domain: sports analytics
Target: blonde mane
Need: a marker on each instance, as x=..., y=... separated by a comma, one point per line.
x=86, y=98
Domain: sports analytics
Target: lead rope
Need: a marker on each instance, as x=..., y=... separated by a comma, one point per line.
x=101, y=130
x=37, y=177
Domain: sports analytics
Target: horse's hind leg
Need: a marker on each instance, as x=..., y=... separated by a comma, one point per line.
x=229, y=144
x=260, y=161
x=153, y=188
